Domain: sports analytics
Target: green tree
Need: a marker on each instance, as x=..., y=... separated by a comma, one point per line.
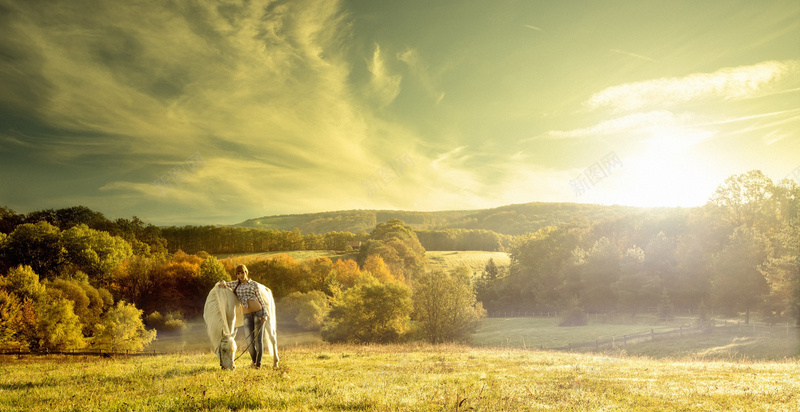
x=38, y=246
x=211, y=272
x=10, y=316
x=371, y=311
x=635, y=287
x=88, y=301
x=94, y=252
x=445, y=305
x=58, y=327
x=121, y=329
x=307, y=309
x=486, y=288
x=665, y=307
x=398, y=246
x=747, y=200
x=23, y=282
x=538, y=262
x=600, y=270
x=738, y=284
x=782, y=269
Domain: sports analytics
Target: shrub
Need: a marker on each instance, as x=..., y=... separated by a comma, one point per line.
x=445, y=305
x=574, y=315
x=307, y=309
x=122, y=329
x=172, y=322
x=370, y=312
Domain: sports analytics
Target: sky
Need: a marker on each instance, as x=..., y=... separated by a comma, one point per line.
x=213, y=112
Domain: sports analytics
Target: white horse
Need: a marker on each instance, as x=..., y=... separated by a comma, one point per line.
x=223, y=314
x=269, y=337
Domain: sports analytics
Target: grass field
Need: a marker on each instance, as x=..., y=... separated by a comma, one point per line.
x=298, y=255
x=545, y=333
x=407, y=378
x=475, y=260
x=773, y=343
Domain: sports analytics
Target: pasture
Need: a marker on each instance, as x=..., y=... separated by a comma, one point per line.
x=475, y=260
x=397, y=377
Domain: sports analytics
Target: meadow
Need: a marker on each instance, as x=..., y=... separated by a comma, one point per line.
x=503, y=369
x=397, y=377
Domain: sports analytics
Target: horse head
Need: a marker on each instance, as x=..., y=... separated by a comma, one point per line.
x=226, y=352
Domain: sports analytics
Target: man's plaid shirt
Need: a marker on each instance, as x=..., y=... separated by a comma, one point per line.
x=247, y=291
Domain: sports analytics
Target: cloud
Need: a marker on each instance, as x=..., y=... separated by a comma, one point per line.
x=729, y=83
x=636, y=55
x=625, y=124
x=384, y=85
x=421, y=72
x=261, y=90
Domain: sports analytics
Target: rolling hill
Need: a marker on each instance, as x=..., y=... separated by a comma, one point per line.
x=509, y=220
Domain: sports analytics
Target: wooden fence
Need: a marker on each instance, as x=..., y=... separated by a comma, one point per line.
x=724, y=326
x=80, y=352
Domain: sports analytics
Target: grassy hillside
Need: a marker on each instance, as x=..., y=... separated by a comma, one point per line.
x=381, y=378
x=298, y=255
x=771, y=343
x=475, y=260
x=509, y=220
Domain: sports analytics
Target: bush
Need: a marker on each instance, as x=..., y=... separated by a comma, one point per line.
x=574, y=315
x=174, y=326
x=307, y=309
x=57, y=326
x=154, y=320
x=370, y=312
x=122, y=329
x=171, y=323
x=445, y=305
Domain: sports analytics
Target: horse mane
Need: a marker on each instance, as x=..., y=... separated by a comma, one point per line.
x=220, y=315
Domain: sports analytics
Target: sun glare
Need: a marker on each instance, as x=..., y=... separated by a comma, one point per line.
x=667, y=171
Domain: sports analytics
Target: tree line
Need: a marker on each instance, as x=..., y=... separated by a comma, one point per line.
x=737, y=254
x=78, y=287
x=71, y=277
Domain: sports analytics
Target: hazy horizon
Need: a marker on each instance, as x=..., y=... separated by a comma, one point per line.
x=204, y=112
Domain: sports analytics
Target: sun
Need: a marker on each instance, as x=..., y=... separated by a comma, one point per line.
x=666, y=170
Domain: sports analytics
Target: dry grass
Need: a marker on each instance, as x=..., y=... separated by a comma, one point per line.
x=411, y=377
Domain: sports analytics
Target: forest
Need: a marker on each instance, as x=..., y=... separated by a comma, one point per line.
x=72, y=278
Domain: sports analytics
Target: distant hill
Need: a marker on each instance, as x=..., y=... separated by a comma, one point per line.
x=510, y=220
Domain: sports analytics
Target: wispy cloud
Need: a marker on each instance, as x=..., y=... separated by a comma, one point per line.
x=533, y=27
x=385, y=86
x=729, y=83
x=636, y=55
x=421, y=72
x=625, y=124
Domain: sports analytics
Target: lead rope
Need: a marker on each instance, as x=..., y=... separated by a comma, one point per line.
x=251, y=342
